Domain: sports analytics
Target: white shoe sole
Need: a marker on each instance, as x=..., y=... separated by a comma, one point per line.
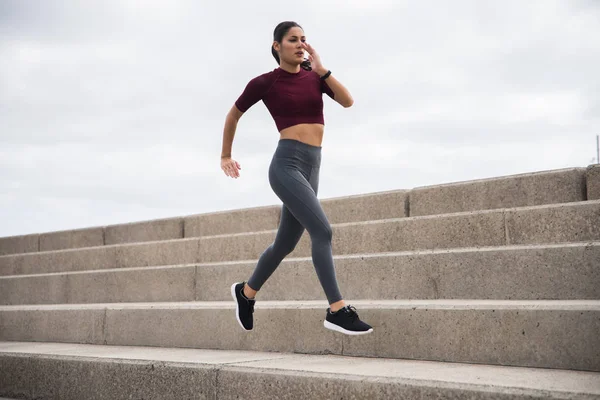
x=237, y=307
x=336, y=328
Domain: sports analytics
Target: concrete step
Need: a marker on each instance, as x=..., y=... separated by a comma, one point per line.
x=530, y=272
x=47, y=370
x=531, y=189
x=364, y=207
x=592, y=180
x=532, y=333
x=572, y=222
x=521, y=190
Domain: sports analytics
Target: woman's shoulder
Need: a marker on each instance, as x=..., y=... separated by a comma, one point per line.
x=265, y=78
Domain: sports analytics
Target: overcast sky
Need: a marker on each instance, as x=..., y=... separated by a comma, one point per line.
x=113, y=111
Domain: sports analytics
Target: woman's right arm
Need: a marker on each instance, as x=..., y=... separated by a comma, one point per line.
x=252, y=93
x=231, y=121
x=228, y=165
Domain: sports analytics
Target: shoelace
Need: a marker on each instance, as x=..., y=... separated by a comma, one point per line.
x=353, y=313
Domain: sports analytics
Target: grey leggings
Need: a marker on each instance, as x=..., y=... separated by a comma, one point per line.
x=294, y=177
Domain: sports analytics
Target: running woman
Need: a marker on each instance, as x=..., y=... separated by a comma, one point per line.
x=293, y=94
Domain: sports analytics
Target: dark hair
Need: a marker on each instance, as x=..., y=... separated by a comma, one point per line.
x=280, y=31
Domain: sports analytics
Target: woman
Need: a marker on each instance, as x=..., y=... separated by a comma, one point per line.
x=293, y=96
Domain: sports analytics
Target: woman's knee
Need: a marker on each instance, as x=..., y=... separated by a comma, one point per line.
x=284, y=247
x=322, y=232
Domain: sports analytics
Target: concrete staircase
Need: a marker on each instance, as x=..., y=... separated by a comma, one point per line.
x=486, y=289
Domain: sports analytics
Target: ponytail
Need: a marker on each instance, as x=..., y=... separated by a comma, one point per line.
x=275, y=54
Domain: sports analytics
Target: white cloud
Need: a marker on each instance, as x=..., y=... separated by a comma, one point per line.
x=113, y=111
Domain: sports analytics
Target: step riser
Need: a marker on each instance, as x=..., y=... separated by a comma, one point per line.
x=66, y=378
x=553, y=224
x=580, y=222
x=165, y=284
x=133, y=255
x=163, y=229
x=259, y=219
x=593, y=181
x=338, y=210
x=517, y=337
x=531, y=226
x=548, y=273
x=551, y=187
x=45, y=377
x=396, y=235
x=526, y=190
x=345, y=209
x=20, y=244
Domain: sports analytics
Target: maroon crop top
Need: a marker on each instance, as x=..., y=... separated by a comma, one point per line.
x=291, y=98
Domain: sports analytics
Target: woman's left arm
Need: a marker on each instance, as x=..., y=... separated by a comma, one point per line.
x=341, y=94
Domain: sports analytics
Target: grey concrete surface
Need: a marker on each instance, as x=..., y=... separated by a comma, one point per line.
x=77, y=379
x=75, y=325
x=570, y=222
x=72, y=239
x=562, y=271
x=372, y=206
x=101, y=286
x=593, y=182
x=546, y=187
x=233, y=221
x=166, y=252
x=519, y=333
x=19, y=244
x=521, y=272
x=366, y=207
x=146, y=231
x=170, y=372
x=531, y=189
x=500, y=272
x=59, y=261
x=239, y=373
x=478, y=229
x=577, y=222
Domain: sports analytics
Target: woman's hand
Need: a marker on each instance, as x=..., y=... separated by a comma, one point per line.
x=315, y=60
x=230, y=167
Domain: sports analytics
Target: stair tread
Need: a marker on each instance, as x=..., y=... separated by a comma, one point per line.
x=342, y=224
x=414, y=372
x=407, y=253
x=455, y=304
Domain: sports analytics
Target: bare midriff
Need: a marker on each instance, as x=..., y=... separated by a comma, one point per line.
x=306, y=133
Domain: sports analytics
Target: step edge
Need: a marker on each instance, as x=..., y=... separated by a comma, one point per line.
x=406, y=253
x=362, y=304
x=333, y=225
x=297, y=359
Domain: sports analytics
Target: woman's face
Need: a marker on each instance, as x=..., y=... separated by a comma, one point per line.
x=290, y=49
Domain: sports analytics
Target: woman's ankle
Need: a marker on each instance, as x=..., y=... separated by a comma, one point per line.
x=338, y=305
x=246, y=294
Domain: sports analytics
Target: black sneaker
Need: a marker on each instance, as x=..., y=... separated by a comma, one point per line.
x=345, y=320
x=244, y=306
